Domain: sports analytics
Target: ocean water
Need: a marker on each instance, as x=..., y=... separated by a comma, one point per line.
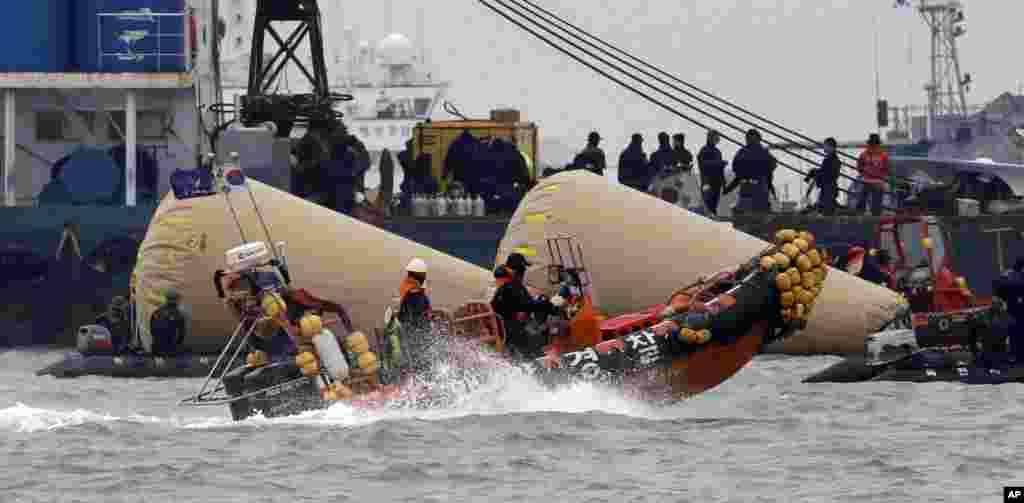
x=761, y=436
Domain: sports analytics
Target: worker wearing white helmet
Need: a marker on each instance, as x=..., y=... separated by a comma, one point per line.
x=415, y=305
x=415, y=335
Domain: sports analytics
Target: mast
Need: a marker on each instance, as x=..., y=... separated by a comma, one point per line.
x=947, y=89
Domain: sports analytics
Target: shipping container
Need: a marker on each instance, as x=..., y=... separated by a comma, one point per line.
x=36, y=36
x=435, y=138
x=125, y=36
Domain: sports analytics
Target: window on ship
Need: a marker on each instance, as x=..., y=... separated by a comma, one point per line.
x=55, y=126
x=422, y=106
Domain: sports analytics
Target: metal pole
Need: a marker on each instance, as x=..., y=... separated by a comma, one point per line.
x=131, y=147
x=10, y=144
x=999, y=245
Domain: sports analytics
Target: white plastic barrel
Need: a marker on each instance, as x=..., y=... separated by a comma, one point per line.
x=331, y=355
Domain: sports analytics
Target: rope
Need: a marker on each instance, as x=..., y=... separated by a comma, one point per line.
x=534, y=21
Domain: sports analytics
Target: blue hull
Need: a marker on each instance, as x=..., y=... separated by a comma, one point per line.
x=927, y=366
x=76, y=364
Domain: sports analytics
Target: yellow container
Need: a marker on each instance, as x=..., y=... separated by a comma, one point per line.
x=435, y=138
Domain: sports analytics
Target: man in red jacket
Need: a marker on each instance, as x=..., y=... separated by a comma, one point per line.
x=873, y=165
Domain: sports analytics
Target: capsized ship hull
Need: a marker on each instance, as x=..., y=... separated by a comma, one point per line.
x=637, y=247
x=336, y=257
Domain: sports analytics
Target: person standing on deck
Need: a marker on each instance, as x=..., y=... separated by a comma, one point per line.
x=661, y=160
x=712, y=171
x=592, y=157
x=826, y=178
x=754, y=166
x=683, y=158
x=633, y=164
x=873, y=165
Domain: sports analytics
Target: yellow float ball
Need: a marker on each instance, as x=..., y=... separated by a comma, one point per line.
x=805, y=297
x=688, y=335
x=788, y=299
x=310, y=369
x=791, y=251
x=781, y=260
x=310, y=325
x=368, y=362
x=782, y=282
x=357, y=343
x=815, y=257
x=273, y=305
x=785, y=236
x=803, y=263
x=807, y=236
x=767, y=263
x=801, y=245
x=927, y=243
x=703, y=336
x=256, y=359
x=794, y=276
x=810, y=280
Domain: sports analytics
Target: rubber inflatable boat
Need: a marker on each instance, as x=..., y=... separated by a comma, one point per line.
x=96, y=356
x=703, y=335
x=967, y=346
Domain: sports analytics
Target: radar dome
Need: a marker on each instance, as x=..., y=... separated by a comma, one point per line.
x=396, y=49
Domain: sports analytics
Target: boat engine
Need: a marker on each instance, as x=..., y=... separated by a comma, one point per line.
x=95, y=340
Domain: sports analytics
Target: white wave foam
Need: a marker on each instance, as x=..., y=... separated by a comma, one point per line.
x=500, y=392
x=24, y=419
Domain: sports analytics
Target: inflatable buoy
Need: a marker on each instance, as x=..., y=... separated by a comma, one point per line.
x=782, y=282
x=357, y=343
x=256, y=359
x=815, y=257
x=310, y=325
x=794, y=276
x=273, y=305
x=785, y=236
x=788, y=299
x=791, y=251
x=801, y=245
x=767, y=263
x=803, y=263
x=368, y=362
x=781, y=260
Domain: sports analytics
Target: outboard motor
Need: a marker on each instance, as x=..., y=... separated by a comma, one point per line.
x=95, y=340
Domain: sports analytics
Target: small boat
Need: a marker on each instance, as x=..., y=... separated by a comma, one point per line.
x=933, y=347
x=703, y=335
x=96, y=357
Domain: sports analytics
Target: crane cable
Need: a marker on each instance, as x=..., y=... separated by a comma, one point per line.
x=620, y=82
x=688, y=85
x=676, y=88
x=617, y=80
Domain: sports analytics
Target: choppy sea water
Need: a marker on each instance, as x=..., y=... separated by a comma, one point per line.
x=762, y=436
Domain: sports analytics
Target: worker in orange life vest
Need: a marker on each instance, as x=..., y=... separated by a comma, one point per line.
x=414, y=304
x=873, y=165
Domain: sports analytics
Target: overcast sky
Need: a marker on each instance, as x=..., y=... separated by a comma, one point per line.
x=805, y=63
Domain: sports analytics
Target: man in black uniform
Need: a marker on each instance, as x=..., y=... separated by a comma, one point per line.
x=712, y=172
x=755, y=169
x=1009, y=289
x=168, y=326
x=681, y=155
x=523, y=332
x=826, y=178
x=591, y=158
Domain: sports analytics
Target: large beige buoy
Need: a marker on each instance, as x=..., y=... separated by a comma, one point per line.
x=639, y=249
x=333, y=256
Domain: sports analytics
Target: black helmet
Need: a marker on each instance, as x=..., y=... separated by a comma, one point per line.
x=517, y=262
x=593, y=137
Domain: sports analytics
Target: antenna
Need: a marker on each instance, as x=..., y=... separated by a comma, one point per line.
x=878, y=85
x=947, y=88
x=421, y=33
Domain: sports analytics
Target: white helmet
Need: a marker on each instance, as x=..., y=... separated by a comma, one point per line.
x=417, y=265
